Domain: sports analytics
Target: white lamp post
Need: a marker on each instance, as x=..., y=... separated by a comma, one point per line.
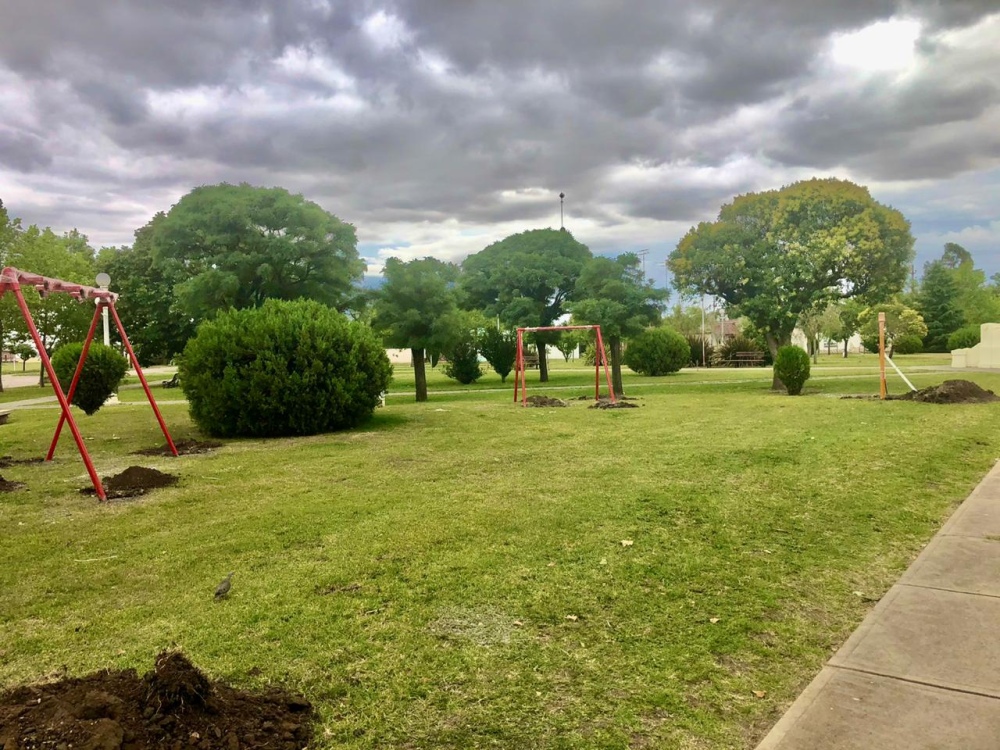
x=104, y=282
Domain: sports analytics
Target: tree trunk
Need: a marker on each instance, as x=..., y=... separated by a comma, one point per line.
x=419, y=373
x=845, y=348
x=543, y=364
x=816, y=350
x=615, y=345
x=772, y=345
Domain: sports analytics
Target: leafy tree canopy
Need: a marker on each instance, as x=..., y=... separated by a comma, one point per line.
x=614, y=294
x=777, y=254
x=234, y=246
x=417, y=309
x=938, y=304
x=526, y=279
x=900, y=321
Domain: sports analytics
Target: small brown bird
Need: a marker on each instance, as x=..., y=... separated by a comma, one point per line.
x=223, y=588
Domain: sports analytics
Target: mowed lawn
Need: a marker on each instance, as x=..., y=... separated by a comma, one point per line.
x=468, y=573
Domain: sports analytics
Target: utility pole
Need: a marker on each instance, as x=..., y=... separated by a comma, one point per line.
x=642, y=256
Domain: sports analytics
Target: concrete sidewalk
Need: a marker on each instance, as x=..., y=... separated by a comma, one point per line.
x=923, y=670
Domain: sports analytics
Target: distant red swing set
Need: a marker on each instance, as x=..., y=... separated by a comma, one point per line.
x=12, y=280
x=601, y=358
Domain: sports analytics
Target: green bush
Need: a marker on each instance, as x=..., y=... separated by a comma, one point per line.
x=964, y=338
x=286, y=368
x=695, y=344
x=500, y=350
x=463, y=360
x=742, y=344
x=102, y=373
x=908, y=343
x=792, y=368
x=657, y=351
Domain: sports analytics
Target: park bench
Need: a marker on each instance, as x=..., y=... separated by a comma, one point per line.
x=746, y=359
x=531, y=361
x=4, y=416
x=173, y=382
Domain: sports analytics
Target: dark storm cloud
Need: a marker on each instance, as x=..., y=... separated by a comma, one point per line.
x=429, y=111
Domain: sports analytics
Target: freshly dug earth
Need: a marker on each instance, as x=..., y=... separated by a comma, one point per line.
x=6, y=461
x=619, y=404
x=134, y=481
x=545, y=401
x=951, y=392
x=7, y=486
x=175, y=705
x=184, y=448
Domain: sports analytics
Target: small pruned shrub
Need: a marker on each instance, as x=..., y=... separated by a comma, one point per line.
x=102, y=373
x=499, y=348
x=285, y=368
x=463, y=360
x=657, y=351
x=792, y=368
x=695, y=345
x=964, y=338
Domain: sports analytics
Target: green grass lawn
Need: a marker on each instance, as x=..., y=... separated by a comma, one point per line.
x=467, y=573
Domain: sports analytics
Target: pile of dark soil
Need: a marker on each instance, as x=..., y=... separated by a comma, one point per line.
x=184, y=448
x=8, y=486
x=545, y=401
x=951, y=392
x=134, y=481
x=173, y=706
x=621, y=403
x=6, y=461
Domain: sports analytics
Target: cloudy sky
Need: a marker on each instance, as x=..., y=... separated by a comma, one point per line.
x=439, y=126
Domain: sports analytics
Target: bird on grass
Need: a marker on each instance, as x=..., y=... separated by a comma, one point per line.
x=223, y=588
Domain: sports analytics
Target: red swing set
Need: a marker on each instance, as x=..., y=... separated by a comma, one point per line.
x=12, y=280
x=601, y=358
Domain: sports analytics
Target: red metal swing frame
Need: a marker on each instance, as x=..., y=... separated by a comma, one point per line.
x=11, y=280
x=600, y=358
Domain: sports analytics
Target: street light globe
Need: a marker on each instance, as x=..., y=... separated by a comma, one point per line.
x=103, y=280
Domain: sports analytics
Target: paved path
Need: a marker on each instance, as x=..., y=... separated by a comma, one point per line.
x=923, y=670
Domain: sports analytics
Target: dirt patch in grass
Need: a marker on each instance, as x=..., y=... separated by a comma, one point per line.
x=134, y=481
x=951, y=392
x=184, y=448
x=8, y=486
x=174, y=705
x=6, y=461
x=545, y=401
x=621, y=403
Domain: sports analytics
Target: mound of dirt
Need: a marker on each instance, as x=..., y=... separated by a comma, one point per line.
x=545, y=401
x=184, y=448
x=951, y=392
x=7, y=486
x=134, y=481
x=6, y=461
x=619, y=404
x=175, y=705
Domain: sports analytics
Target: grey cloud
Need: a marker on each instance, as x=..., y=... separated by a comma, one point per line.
x=23, y=152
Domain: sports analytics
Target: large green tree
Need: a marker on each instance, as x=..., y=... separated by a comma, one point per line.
x=774, y=255
x=526, y=279
x=417, y=309
x=58, y=317
x=938, y=304
x=156, y=329
x=977, y=301
x=615, y=294
x=234, y=246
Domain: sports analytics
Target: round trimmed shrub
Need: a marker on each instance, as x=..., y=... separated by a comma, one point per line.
x=286, y=368
x=964, y=338
x=657, y=351
x=102, y=373
x=908, y=343
x=792, y=368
